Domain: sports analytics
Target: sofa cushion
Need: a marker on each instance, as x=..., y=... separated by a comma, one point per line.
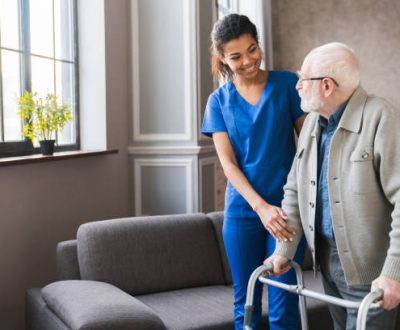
x=37, y=314
x=197, y=308
x=151, y=254
x=212, y=307
x=90, y=305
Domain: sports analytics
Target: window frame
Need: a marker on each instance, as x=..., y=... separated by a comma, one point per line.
x=226, y=7
x=25, y=147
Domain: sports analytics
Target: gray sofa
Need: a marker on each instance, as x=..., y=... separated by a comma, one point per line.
x=158, y=272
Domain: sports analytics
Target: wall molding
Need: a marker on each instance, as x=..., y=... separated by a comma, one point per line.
x=171, y=150
x=190, y=93
x=187, y=163
x=204, y=162
x=200, y=111
x=266, y=18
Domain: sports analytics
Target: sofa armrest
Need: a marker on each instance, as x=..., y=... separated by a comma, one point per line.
x=92, y=305
x=67, y=261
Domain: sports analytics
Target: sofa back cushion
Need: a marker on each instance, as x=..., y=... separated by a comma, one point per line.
x=150, y=254
x=217, y=219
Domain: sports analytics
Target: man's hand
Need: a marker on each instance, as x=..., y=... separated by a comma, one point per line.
x=391, y=291
x=281, y=264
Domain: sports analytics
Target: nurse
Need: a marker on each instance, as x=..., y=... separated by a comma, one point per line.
x=251, y=119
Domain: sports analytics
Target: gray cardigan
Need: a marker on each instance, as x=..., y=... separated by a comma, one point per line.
x=363, y=185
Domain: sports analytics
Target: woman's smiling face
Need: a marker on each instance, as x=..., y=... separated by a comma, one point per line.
x=243, y=56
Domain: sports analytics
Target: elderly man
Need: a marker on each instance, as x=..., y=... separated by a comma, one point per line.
x=343, y=190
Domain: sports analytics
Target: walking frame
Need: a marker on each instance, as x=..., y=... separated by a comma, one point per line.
x=371, y=301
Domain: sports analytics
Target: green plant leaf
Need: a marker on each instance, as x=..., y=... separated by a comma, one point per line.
x=42, y=117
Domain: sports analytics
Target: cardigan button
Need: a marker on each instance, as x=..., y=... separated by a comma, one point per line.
x=312, y=204
x=365, y=155
x=312, y=182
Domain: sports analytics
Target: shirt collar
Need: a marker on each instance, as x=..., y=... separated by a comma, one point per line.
x=334, y=118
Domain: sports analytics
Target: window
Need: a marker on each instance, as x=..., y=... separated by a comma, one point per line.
x=38, y=53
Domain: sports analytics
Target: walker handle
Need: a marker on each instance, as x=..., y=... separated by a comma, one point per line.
x=269, y=267
x=368, y=300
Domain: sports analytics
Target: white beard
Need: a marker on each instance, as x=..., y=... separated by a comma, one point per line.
x=313, y=103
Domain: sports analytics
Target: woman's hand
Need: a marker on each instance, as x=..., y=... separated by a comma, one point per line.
x=272, y=217
x=274, y=220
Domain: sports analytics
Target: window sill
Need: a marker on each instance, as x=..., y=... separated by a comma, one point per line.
x=38, y=158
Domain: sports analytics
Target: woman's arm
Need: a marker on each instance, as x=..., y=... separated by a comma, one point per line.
x=272, y=217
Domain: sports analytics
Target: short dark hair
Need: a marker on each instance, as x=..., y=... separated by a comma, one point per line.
x=230, y=27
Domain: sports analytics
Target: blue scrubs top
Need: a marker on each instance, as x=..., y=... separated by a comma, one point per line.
x=262, y=136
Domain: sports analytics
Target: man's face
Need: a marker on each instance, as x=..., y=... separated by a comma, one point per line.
x=310, y=97
x=309, y=91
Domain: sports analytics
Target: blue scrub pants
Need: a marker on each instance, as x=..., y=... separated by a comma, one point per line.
x=247, y=244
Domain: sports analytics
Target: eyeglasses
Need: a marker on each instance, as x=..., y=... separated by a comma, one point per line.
x=315, y=78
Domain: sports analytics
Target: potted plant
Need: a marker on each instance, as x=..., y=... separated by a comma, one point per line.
x=43, y=117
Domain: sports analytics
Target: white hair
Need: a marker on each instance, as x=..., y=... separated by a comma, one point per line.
x=335, y=60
